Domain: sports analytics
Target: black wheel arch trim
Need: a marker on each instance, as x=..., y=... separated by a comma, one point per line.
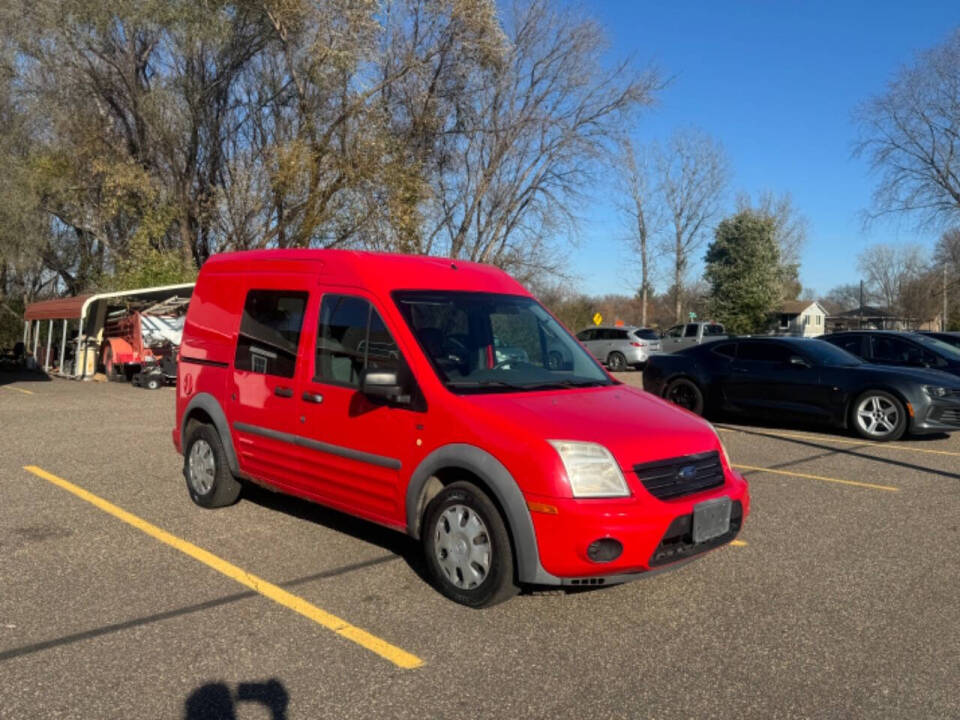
x=208, y=403
x=507, y=494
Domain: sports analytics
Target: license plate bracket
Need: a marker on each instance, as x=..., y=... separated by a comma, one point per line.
x=711, y=518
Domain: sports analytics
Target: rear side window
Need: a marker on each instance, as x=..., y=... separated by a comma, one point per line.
x=727, y=350
x=270, y=332
x=852, y=344
x=691, y=331
x=620, y=335
x=713, y=330
x=351, y=337
x=763, y=352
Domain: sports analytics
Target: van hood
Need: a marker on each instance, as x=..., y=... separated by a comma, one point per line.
x=634, y=425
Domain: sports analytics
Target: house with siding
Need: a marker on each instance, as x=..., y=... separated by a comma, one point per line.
x=800, y=318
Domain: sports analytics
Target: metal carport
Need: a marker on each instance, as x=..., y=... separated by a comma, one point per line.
x=90, y=313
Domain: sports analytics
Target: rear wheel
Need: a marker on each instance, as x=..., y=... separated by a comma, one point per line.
x=686, y=394
x=878, y=415
x=616, y=362
x=467, y=547
x=209, y=480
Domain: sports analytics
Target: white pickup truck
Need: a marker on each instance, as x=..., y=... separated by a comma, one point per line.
x=689, y=334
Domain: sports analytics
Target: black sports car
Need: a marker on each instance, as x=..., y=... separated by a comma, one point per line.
x=902, y=349
x=806, y=379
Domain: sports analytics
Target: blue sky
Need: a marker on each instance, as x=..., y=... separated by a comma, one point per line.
x=776, y=83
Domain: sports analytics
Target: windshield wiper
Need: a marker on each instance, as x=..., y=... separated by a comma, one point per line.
x=484, y=384
x=566, y=384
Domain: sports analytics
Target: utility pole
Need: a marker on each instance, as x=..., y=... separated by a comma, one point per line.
x=943, y=321
x=861, y=305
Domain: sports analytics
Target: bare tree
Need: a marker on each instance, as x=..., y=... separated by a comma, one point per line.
x=640, y=206
x=790, y=232
x=522, y=149
x=846, y=297
x=888, y=268
x=692, y=175
x=911, y=136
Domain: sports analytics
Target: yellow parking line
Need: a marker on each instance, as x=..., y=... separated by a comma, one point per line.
x=738, y=543
x=19, y=390
x=841, y=441
x=791, y=473
x=398, y=657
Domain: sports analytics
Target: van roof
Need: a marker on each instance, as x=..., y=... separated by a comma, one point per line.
x=385, y=272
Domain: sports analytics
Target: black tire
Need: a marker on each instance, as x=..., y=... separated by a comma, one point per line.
x=616, y=362
x=685, y=393
x=212, y=489
x=496, y=583
x=113, y=371
x=879, y=416
x=152, y=383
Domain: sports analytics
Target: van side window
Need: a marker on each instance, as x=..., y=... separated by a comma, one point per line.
x=351, y=337
x=270, y=331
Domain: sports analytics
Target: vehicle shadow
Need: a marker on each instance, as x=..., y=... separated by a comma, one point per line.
x=16, y=374
x=807, y=426
x=850, y=452
x=392, y=541
x=215, y=701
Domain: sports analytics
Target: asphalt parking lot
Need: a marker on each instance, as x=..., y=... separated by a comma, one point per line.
x=841, y=601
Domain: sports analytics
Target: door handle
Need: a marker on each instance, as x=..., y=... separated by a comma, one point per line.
x=283, y=392
x=312, y=397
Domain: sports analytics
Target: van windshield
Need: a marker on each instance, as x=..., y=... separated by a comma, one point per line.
x=485, y=342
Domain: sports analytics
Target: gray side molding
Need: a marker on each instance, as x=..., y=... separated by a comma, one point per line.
x=501, y=483
x=208, y=403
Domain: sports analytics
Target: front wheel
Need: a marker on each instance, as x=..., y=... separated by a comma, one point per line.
x=467, y=547
x=686, y=394
x=878, y=415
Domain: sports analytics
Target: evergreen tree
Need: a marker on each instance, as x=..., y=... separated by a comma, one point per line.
x=744, y=272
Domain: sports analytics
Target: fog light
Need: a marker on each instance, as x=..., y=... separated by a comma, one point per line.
x=604, y=550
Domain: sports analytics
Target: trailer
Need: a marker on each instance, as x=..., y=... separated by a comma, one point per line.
x=134, y=338
x=113, y=333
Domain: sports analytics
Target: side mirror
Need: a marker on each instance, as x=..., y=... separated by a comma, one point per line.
x=384, y=384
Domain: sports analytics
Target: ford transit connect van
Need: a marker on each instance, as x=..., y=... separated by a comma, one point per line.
x=439, y=398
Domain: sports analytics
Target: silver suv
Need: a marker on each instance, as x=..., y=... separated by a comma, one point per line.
x=620, y=347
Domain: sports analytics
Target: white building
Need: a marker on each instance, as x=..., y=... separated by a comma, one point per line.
x=801, y=318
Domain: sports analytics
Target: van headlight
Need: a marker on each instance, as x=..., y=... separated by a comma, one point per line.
x=591, y=469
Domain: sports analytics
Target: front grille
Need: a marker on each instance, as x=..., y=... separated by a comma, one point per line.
x=677, y=543
x=665, y=479
x=950, y=416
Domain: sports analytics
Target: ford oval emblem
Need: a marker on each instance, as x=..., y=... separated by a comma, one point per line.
x=687, y=472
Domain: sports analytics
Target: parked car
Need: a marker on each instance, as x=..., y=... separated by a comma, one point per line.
x=687, y=335
x=902, y=349
x=620, y=347
x=369, y=383
x=806, y=379
x=950, y=338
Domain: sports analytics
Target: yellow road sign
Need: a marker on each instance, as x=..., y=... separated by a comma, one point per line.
x=597, y=319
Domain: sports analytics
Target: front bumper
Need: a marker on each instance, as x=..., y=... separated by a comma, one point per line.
x=654, y=533
x=937, y=417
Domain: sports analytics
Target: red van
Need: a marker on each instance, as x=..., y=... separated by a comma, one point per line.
x=439, y=398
